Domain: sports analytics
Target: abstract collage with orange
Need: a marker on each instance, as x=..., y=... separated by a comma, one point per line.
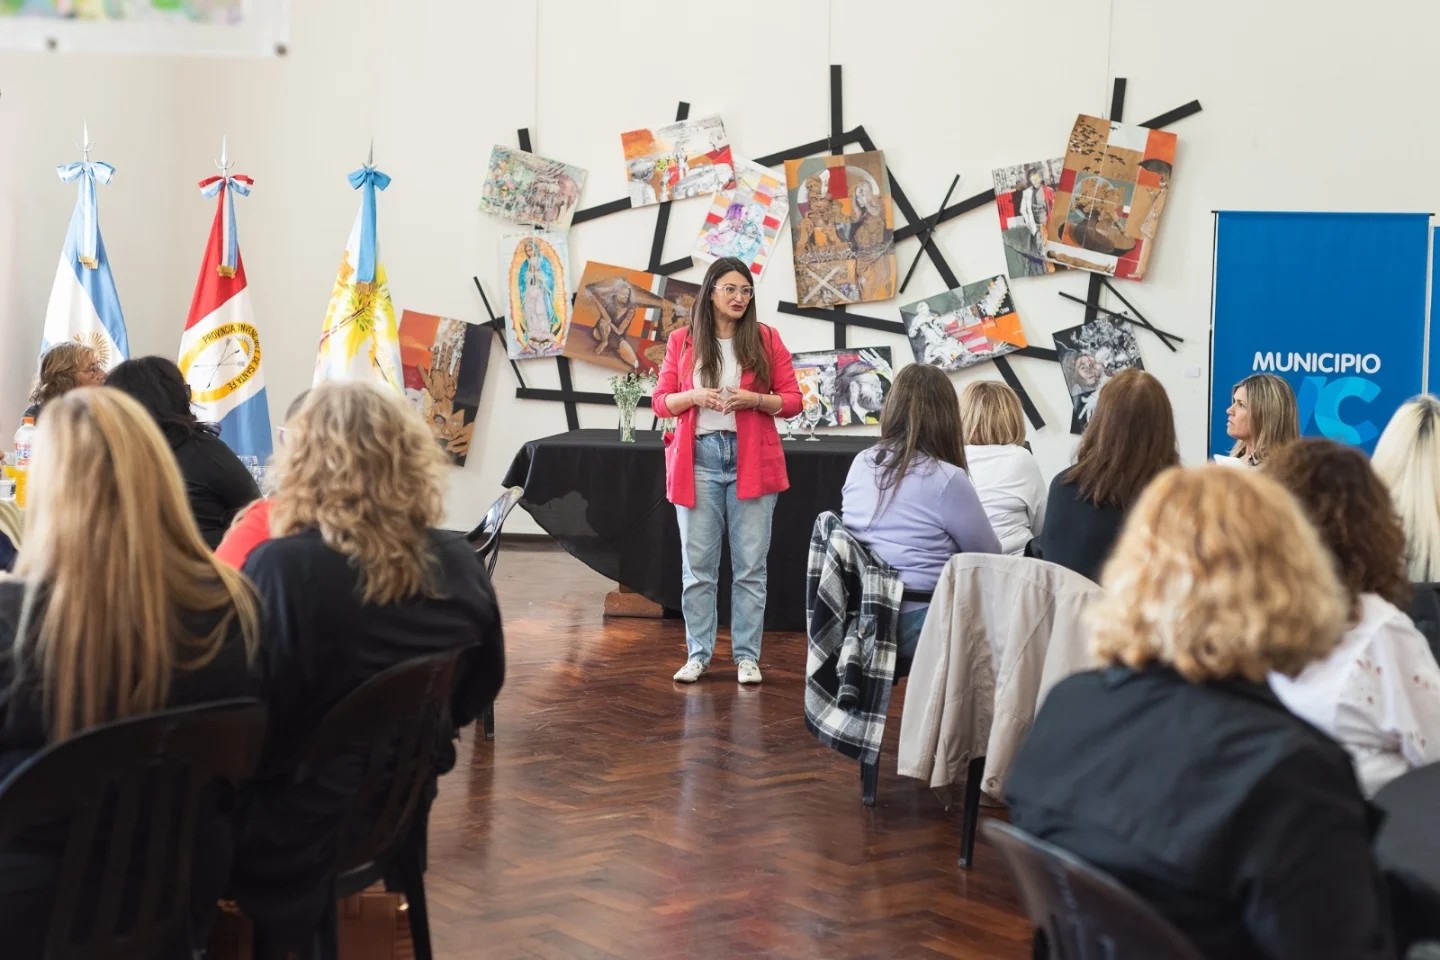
x=1110, y=197
x=622, y=317
x=842, y=224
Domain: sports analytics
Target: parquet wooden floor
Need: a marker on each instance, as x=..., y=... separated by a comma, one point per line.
x=618, y=814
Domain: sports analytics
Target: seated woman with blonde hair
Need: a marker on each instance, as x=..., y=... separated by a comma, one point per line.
x=1378, y=693
x=356, y=579
x=117, y=609
x=1407, y=460
x=1004, y=473
x=65, y=366
x=1175, y=769
x=1261, y=418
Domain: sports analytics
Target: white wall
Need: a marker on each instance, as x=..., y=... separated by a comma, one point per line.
x=1301, y=112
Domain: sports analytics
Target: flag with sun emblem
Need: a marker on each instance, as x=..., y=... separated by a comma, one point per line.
x=83, y=303
x=220, y=348
x=360, y=340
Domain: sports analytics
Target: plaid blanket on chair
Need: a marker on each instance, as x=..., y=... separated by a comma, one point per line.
x=852, y=606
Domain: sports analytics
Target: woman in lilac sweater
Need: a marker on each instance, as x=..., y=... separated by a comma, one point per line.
x=909, y=500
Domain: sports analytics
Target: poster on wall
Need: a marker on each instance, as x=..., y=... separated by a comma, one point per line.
x=528, y=188
x=1110, y=197
x=849, y=386
x=1025, y=198
x=444, y=363
x=536, y=269
x=622, y=317
x=965, y=326
x=745, y=220
x=193, y=27
x=1332, y=302
x=1090, y=355
x=843, y=226
x=689, y=158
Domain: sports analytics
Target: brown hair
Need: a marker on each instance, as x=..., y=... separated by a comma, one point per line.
x=1274, y=421
x=1217, y=574
x=990, y=414
x=921, y=416
x=107, y=627
x=59, y=369
x=359, y=465
x=1130, y=439
x=749, y=347
x=1353, y=512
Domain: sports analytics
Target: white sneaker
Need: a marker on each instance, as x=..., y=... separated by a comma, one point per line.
x=748, y=671
x=692, y=671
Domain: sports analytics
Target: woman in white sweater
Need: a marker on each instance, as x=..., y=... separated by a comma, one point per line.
x=1004, y=473
x=1378, y=693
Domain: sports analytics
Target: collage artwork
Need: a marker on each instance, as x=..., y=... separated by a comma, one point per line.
x=1096, y=208
x=964, y=326
x=622, y=317
x=443, y=362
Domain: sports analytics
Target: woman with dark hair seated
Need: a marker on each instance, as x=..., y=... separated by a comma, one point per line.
x=216, y=482
x=1175, y=769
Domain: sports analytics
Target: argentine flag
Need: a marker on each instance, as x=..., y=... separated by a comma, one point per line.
x=220, y=348
x=83, y=303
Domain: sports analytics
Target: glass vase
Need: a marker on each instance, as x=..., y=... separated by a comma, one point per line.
x=627, y=421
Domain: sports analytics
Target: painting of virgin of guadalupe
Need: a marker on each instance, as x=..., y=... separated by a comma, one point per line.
x=535, y=267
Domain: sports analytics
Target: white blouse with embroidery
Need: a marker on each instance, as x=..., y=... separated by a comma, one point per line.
x=1378, y=694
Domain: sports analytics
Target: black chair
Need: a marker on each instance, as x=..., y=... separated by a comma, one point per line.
x=486, y=541
x=486, y=537
x=109, y=786
x=1425, y=611
x=1083, y=913
x=393, y=728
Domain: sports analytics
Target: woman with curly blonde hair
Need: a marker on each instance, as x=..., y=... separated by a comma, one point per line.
x=356, y=579
x=1378, y=693
x=65, y=366
x=1174, y=768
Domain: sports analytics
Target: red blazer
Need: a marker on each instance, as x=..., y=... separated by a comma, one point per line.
x=760, y=460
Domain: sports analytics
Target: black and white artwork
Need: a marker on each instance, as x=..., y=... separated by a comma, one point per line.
x=1091, y=354
x=844, y=388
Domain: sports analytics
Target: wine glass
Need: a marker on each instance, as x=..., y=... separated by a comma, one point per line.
x=812, y=414
x=790, y=423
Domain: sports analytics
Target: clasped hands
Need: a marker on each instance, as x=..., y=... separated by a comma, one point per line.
x=714, y=399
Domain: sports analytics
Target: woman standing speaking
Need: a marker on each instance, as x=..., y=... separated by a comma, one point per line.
x=725, y=378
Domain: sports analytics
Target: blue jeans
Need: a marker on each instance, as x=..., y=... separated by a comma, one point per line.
x=718, y=510
x=907, y=637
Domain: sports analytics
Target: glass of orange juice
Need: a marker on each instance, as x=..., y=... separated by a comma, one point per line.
x=19, y=477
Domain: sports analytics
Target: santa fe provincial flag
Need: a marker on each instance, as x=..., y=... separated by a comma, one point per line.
x=361, y=340
x=83, y=303
x=220, y=348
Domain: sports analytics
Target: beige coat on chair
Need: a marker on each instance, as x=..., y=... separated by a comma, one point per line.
x=1017, y=612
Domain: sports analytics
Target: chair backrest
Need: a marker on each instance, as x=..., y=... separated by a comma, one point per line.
x=1425, y=611
x=388, y=733
x=104, y=790
x=486, y=537
x=1084, y=913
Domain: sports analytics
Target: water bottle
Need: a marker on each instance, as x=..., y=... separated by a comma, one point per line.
x=24, y=446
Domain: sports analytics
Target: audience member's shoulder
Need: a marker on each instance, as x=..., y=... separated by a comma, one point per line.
x=453, y=549
x=305, y=547
x=12, y=594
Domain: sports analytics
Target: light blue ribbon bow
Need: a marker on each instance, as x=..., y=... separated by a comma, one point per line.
x=369, y=179
x=230, y=246
x=87, y=172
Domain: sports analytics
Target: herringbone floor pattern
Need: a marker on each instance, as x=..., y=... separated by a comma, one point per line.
x=618, y=814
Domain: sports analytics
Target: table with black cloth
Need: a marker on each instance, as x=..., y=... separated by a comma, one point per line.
x=604, y=502
x=1407, y=848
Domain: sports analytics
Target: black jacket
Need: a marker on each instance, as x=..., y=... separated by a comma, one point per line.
x=321, y=643
x=1236, y=820
x=1077, y=534
x=216, y=481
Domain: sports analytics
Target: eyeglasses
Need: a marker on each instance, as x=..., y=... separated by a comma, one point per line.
x=95, y=369
x=730, y=290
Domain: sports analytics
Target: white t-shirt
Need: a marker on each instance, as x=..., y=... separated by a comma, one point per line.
x=713, y=421
x=1011, y=490
x=1378, y=694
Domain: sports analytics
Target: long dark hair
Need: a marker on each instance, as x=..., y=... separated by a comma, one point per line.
x=921, y=416
x=1130, y=439
x=749, y=347
x=161, y=389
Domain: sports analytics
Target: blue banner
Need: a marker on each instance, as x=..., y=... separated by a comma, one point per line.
x=1332, y=302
